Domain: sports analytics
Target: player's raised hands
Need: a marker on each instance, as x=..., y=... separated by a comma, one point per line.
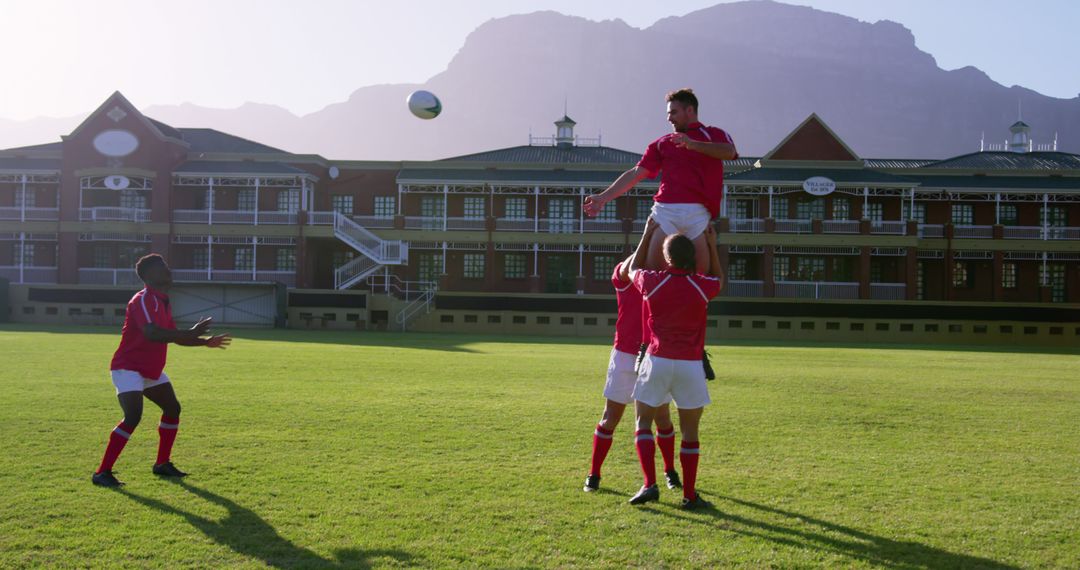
x=219, y=341
x=592, y=206
x=202, y=326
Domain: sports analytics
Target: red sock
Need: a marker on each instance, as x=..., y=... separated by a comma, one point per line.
x=601, y=443
x=665, y=440
x=167, y=435
x=117, y=440
x=688, y=456
x=646, y=452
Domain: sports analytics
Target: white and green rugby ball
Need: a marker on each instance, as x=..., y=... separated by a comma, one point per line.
x=424, y=104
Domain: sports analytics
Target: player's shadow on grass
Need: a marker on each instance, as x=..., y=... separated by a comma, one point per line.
x=246, y=533
x=829, y=537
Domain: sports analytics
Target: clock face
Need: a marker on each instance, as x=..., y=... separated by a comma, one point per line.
x=116, y=143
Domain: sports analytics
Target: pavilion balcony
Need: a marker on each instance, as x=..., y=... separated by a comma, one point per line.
x=240, y=217
x=234, y=276
x=29, y=214
x=744, y=288
x=108, y=276
x=973, y=232
x=114, y=214
x=840, y=226
x=816, y=290
x=28, y=274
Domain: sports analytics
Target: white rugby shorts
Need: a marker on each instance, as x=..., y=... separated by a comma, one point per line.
x=131, y=381
x=689, y=220
x=662, y=379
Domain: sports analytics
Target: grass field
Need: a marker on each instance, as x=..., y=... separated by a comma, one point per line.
x=314, y=450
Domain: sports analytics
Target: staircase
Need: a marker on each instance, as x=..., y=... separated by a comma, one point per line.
x=419, y=296
x=375, y=252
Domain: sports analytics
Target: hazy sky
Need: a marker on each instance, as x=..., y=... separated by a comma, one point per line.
x=63, y=57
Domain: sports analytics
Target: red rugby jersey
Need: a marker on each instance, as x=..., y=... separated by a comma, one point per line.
x=136, y=352
x=677, y=304
x=689, y=177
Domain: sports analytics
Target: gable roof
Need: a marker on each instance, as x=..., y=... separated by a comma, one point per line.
x=117, y=99
x=812, y=140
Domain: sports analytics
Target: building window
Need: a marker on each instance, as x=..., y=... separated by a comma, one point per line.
x=642, y=209
x=810, y=268
x=132, y=199
x=430, y=266
x=1053, y=275
x=562, y=214
x=474, y=207
x=245, y=200
x=286, y=259
x=474, y=265
x=514, y=265
x=23, y=254
x=780, y=208
x=385, y=206
x=342, y=204
x=207, y=200
x=1007, y=215
x=781, y=267
x=103, y=256
x=739, y=268
x=920, y=281
x=961, y=277
x=1056, y=216
x=918, y=213
x=432, y=206
x=745, y=209
x=963, y=214
x=341, y=258
x=842, y=270
x=516, y=208
x=841, y=209
x=873, y=212
x=608, y=212
x=288, y=200
x=1008, y=275
x=603, y=266
x=810, y=209
x=875, y=271
x=200, y=258
x=31, y=198
x=243, y=260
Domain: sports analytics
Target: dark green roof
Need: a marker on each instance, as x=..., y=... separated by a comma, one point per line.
x=890, y=163
x=53, y=146
x=166, y=130
x=553, y=155
x=568, y=177
x=1056, y=183
x=235, y=167
x=29, y=164
x=1002, y=160
x=838, y=175
x=210, y=140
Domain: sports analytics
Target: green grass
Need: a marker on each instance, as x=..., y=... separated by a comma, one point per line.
x=379, y=450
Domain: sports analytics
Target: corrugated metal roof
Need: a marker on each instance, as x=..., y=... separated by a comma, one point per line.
x=553, y=155
x=166, y=130
x=210, y=140
x=53, y=146
x=570, y=177
x=898, y=162
x=29, y=164
x=235, y=167
x=1001, y=160
x=840, y=175
x=1057, y=183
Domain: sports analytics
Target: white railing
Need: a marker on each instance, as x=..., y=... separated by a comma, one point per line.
x=113, y=214
x=354, y=271
x=459, y=224
x=602, y=226
x=36, y=214
x=931, y=230
x=393, y=285
x=245, y=217
x=638, y=226
x=423, y=223
x=320, y=218
x=558, y=225
x=816, y=290
x=515, y=224
x=840, y=226
x=384, y=252
x=234, y=275
x=1022, y=232
x=794, y=226
x=98, y=276
x=744, y=288
x=889, y=227
x=377, y=222
x=748, y=225
x=28, y=274
x=976, y=232
x=190, y=216
x=888, y=291
x=410, y=311
x=1062, y=233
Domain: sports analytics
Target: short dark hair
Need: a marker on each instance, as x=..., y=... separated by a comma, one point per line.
x=146, y=262
x=685, y=96
x=680, y=249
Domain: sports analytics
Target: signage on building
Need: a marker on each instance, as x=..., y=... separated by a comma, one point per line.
x=819, y=186
x=117, y=182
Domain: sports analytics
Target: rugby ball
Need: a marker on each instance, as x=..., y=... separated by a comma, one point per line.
x=424, y=104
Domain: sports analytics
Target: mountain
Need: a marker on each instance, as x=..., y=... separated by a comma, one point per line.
x=759, y=68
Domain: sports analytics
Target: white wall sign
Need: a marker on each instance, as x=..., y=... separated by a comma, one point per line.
x=117, y=182
x=115, y=143
x=819, y=186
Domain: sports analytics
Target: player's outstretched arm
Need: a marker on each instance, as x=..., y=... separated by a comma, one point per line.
x=622, y=185
x=642, y=251
x=720, y=150
x=155, y=333
x=714, y=255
